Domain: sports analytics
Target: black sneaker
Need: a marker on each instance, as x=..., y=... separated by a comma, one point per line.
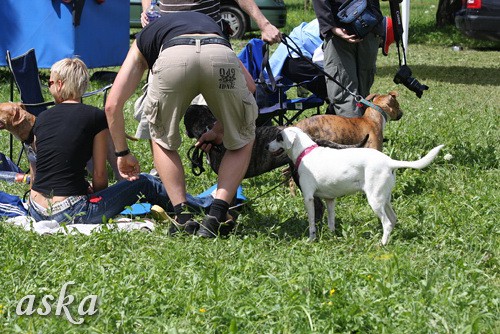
x=184, y=221
x=190, y=227
x=211, y=227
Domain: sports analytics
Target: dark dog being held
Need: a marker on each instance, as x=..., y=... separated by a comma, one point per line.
x=198, y=119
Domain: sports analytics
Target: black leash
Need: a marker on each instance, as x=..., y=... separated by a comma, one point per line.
x=260, y=195
x=195, y=156
x=358, y=98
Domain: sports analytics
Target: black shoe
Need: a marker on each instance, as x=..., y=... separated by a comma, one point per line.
x=211, y=227
x=190, y=227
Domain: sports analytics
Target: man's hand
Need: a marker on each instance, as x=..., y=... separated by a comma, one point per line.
x=129, y=167
x=208, y=139
x=271, y=34
x=144, y=19
x=342, y=33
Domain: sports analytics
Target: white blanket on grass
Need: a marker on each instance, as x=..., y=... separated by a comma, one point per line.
x=53, y=227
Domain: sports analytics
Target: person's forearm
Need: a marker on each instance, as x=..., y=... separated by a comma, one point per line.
x=145, y=4
x=254, y=12
x=324, y=13
x=99, y=183
x=127, y=79
x=218, y=128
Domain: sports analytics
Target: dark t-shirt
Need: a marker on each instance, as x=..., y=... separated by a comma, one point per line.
x=163, y=29
x=64, y=137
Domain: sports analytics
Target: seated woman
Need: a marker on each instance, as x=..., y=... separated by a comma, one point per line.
x=65, y=138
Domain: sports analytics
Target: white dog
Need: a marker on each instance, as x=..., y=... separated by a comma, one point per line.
x=329, y=173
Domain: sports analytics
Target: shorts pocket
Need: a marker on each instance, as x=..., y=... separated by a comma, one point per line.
x=156, y=125
x=225, y=72
x=250, y=111
x=169, y=76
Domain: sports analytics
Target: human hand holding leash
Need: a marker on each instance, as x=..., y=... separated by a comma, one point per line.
x=211, y=137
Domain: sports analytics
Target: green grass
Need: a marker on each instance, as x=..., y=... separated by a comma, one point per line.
x=438, y=274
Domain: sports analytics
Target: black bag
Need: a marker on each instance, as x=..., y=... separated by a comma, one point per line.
x=359, y=16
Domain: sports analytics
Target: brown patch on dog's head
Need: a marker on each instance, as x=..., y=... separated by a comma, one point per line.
x=388, y=103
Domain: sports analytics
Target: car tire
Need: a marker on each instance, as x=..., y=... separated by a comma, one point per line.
x=236, y=19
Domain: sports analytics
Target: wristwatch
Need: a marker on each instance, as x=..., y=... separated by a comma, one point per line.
x=122, y=153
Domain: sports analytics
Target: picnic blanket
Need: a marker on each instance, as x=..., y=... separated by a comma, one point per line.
x=131, y=219
x=52, y=227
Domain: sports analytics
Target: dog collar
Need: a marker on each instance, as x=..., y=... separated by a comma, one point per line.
x=374, y=106
x=303, y=154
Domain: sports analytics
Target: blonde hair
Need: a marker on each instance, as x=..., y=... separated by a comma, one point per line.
x=74, y=74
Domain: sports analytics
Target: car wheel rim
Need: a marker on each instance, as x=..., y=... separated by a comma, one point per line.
x=233, y=22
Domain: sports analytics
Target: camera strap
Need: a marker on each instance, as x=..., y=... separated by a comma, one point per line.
x=397, y=27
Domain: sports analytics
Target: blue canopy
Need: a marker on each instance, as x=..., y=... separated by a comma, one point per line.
x=101, y=37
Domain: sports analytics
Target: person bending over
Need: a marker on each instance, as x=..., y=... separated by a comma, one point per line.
x=187, y=56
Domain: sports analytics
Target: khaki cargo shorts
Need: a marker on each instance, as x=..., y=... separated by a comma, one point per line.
x=181, y=73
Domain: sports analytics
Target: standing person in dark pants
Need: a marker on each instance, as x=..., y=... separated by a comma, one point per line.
x=187, y=56
x=349, y=59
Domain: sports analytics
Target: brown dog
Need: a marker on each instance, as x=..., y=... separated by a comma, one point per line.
x=15, y=119
x=349, y=131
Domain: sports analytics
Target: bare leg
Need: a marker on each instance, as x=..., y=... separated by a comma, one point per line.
x=232, y=170
x=169, y=166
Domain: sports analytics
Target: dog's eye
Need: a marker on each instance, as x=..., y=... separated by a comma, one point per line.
x=279, y=137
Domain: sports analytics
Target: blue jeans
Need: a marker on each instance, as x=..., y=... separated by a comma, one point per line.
x=97, y=208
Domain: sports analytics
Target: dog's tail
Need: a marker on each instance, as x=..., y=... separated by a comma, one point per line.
x=418, y=164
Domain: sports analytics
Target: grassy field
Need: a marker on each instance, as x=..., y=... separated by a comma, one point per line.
x=438, y=274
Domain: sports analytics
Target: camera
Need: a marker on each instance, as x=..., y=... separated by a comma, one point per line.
x=404, y=76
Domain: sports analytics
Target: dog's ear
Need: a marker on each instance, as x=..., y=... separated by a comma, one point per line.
x=371, y=97
x=393, y=93
x=18, y=114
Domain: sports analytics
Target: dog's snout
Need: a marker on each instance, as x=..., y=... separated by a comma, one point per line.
x=399, y=115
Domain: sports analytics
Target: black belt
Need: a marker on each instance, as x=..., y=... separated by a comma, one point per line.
x=192, y=41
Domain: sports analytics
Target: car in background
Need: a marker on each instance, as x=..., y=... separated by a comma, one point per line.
x=240, y=22
x=479, y=19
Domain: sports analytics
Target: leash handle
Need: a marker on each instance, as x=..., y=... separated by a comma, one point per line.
x=195, y=156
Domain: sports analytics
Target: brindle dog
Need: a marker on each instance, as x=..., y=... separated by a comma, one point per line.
x=199, y=118
x=345, y=130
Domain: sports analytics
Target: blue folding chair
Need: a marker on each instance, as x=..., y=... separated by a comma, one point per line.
x=273, y=103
